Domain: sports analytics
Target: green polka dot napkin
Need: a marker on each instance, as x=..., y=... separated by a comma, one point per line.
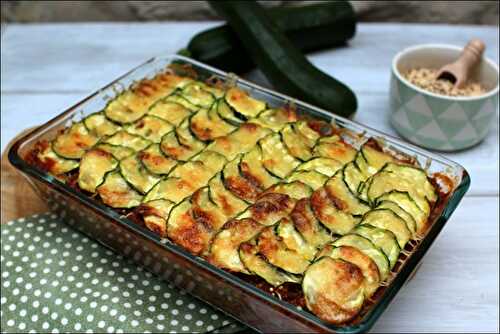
x=54, y=279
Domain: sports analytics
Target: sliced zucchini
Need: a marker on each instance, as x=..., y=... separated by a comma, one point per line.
x=117, y=193
x=342, y=197
x=401, y=213
x=194, y=172
x=93, y=167
x=335, y=148
x=128, y=107
x=173, y=189
x=385, y=240
x=312, y=178
x=226, y=113
x=269, y=209
x=275, y=119
x=308, y=226
x=99, y=126
x=334, y=289
x=186, y=137
x=212, y=160
x=375, y=159
x=224, y=247
x=275, y=156
x=242, y=103
x=362, y=261
x=369, y=249
x=324, y=166
x=293, y=240
x=171, y=147
x=417, y=177
x=179, y=99
x=405, y=201
x=251, y=168
x=155, y=161
x=139, y=177
x=256, y=264
x=73, y=142
x=150, y=127
x=119, y=152
x=223, y=198
x=237, y=184
x=123, y=138
x=172, y=112
x=387, y=219
x=296, y=144
x=324, y=210
x=197, y=95
x=155, y=214
x=239, y=141
x=313, y=130
x=276, y=252
x=185, y=231
x=385, y=181
x=53, y=163
x=207, y=125
x=353, y=177
x=294, y=189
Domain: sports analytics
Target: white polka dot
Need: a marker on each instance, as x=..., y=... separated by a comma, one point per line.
x=203, y=310
x=45, y=325
x=22, y=326
x=3, y=300
x=47, y=294
x=12, y=307
x=122, y=318
x=54, y=316
x=149, y=321
x=90, y=318
x=151, y=308
x=101, y=324
x=67, y=306
x=83, y=299
x=140, y=292
x=127, y=305
x=138, y=302
x=34, y=318
x=191, y=306
x=93, y=304
x=174, y=322
x=45, y=310
x=188, y=316
x=156, y=288
x=28, y=286
x=179, y=302
x=113, y=312
x=210, y=328
x=36, y=303
x=58, y=301
x=115, y=299
x=175, y=311
x=199, y=323
x=160, y=327
x=164, y=306
x=23, y=313
x=11, y=322
x=134, y=323
x=104, y=308
x=78, y=311
x=110, y=329
x=185, y=328
x=214, y=316
x=64, y=321
x=77, y=326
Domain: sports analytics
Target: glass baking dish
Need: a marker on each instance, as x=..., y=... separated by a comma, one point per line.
x=219, y=288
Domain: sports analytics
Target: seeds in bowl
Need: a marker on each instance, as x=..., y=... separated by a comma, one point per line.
x=426, y=78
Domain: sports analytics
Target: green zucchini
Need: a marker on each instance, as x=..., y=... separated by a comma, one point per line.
x=172, y=112
x=294, y=189
x=384, y=239
x=207, y=125
x=269, y=209
x=312, y=178
x=296, y=144
x=223, y=198
x=387, y=219
x=99, y=125
x=251, y=168
x=243, y=105
x=155, y=161
x=283, y=64
x=275, y=119
x=342, y=197
x=94, y=165
x=197, y=95
x=237, y=184
x=73, y=142
x=123, y=138
x=308, y=226
x=324, y=166
x=334, y=148
x=118, y=151
x=117, y=193
x=137, y=175
x=330, y=23
x=55, y=164
x=293, y=240
x=150, y=127
x=275, y=157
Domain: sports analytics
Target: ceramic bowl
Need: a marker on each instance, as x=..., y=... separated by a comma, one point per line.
x=440, y=122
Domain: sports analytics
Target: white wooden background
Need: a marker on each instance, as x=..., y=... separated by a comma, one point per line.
x=47, y=68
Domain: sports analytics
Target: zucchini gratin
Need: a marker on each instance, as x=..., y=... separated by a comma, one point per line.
x=284, y=202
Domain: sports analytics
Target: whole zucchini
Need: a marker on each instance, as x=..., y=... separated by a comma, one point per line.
x=281, y=62
x=310, y=28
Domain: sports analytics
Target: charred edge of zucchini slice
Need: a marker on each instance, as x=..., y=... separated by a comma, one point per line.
x=155, y=161
x=223, y=198
x=207, y=125
x=258, y=265
x=197, y=95
x=186, y=137
x=295, y=143
x=117, y=151
x=387, y=219
x=172, y=112
x=385, y=240
x=171, y=147
x=150, y=127
x=123, y=138
x=294, y=189
x=155, y=215
x=275, y=119
x=269, y=209
x=243, y=104
x=73, y=142
x=326, y=166
x=225, y=245
x=98, y=125
x=338, y=222
x=226, y=113
x=375, y=159
x=238, y=185
x=276, y=252
x=342, y=197
x=53, y=163
x=94, y=165
x=313, y=130
x=308, y=226
x=333, y=289
x=335, y=148
x=275, y=156
x=369, y=249
x=251, y=168
x=355, y=256
x=117, y=193
x=312, y=178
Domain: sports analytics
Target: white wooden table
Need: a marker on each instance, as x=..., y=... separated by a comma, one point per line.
x=46, y=68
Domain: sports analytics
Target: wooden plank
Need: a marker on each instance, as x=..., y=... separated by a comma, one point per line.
x=456, y=288
x=20, y=111
x=66, y=57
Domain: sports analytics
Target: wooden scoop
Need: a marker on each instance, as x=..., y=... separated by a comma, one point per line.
x=458, y=71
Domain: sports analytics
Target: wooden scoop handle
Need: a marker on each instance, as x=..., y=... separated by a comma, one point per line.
x=470, y=56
